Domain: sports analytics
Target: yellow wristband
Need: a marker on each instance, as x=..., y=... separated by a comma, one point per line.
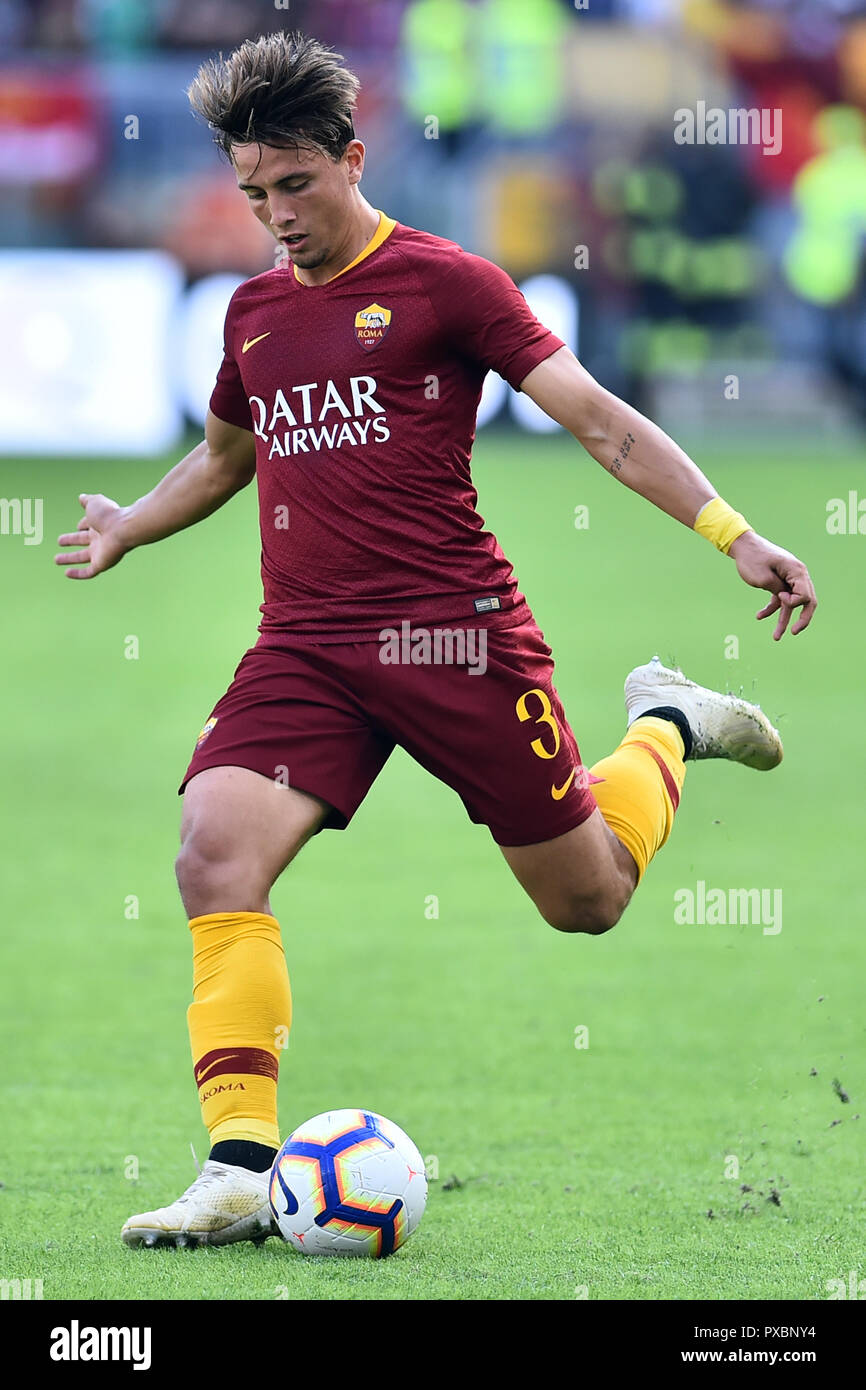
x=720, y=524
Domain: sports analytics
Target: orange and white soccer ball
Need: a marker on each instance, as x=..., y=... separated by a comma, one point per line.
x=348, y=1182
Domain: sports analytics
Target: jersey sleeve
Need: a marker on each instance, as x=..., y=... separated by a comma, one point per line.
x=488, y=319
x=229, y=399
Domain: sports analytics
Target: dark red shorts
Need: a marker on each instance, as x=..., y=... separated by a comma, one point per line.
x=325, y=718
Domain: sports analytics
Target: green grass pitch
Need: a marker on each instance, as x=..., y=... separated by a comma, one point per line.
x=698, y=1147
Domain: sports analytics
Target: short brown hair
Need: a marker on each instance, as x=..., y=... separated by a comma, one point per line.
x=279, y=89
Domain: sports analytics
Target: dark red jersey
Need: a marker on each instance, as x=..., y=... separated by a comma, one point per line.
x=362, y=394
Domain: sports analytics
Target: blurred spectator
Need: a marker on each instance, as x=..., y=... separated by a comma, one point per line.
x=439, y=81
x=824, y=260
x=118, y=26
x=521, y=128
x=522, y=69
x=211, y=229
x=15, y=25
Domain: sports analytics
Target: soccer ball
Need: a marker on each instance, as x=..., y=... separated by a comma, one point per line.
x=348, y=1182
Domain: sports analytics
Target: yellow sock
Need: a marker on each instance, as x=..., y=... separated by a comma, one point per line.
x=239, y=1023
x=640, y=787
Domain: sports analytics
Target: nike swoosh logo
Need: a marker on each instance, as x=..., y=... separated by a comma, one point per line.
x=291, y=1199
x=251, y=342
x=204, y=1072
x=559, y=792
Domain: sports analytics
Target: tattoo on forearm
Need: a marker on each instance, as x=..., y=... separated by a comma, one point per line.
x=625, y=449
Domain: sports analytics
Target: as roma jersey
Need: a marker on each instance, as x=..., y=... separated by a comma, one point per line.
x=362, y=395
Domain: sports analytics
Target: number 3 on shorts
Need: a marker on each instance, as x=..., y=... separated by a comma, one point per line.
x=545, y=717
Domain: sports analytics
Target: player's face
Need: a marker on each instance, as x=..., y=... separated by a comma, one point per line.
x=304, y=198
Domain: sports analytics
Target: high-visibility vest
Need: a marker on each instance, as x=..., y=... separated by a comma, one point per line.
x=438, y=68
x=522, y=63
x=823, y=258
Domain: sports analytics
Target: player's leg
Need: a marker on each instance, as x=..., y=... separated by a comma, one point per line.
x=496, y=732
x=582, y=881
x=239, y=831
x=286, y=751
x=286, y=717
x=579, y=840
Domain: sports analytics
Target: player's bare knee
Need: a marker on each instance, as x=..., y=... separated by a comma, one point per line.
x=194, y=875
x=592, y=916
x=586, y=918
x=210, y=881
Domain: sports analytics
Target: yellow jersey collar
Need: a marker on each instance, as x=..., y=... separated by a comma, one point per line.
x=384, y=230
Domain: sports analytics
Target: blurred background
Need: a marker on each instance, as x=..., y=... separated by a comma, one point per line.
x=542, y=135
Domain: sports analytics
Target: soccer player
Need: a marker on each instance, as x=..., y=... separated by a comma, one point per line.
x=348, y=389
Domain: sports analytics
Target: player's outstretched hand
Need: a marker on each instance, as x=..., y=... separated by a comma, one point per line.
x=768, y=566
x=98, y=538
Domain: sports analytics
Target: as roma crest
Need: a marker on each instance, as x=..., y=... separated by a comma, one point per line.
x=206, y=731
x=371, y=325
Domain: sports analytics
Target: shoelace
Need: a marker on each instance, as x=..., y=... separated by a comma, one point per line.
x=210, y=1173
